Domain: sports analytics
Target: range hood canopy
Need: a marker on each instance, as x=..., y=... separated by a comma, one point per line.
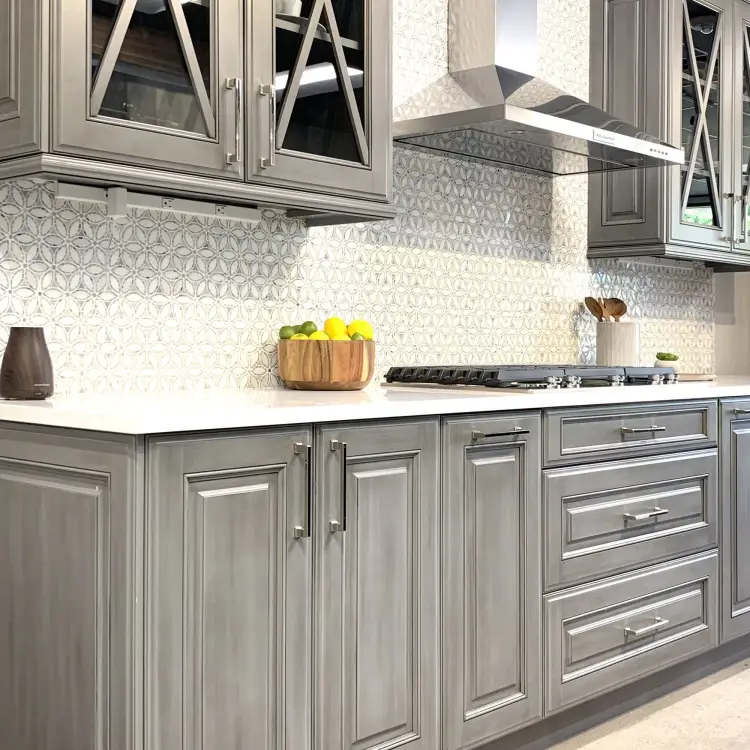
x=492, y=105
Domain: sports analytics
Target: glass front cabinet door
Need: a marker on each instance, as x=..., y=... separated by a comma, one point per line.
x=320, y=83
x=741, y=148
x=153, y=83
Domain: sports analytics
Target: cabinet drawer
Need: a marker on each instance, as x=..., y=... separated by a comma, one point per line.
x=576, y=435
x=604, y=635
x=606, y=518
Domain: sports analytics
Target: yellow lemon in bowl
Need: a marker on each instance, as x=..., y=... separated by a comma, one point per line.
x=319, y=336
x=299, y=337
x=335, y=327
x=342, y=337
x=362, y=327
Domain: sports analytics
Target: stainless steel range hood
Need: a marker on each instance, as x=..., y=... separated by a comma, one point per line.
x=492, y=105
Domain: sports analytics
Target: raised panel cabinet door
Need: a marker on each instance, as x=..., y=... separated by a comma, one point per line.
x=377, y=643
x=492, y=578
x=735, y=514
x=70, y=587
x=320, y=73
x=150, y=83
x=20, y=77
x=229, y=592
x=702, y=202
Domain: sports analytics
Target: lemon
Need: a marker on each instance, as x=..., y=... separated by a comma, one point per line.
x=358, y=337
x=286, y=332
x=319, y=336
x=299, y=337
x=308, y=328
x=335, y=327
x=342, y=337
x=363, y=327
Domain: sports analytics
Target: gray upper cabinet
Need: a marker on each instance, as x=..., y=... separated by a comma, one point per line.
x=229, y=592
x=150, y=83
x=321, y=83
x=20, y=77
x=678, y=69
x=71, y=591
x=492, y=587
x=377, y=637
x=735, y=513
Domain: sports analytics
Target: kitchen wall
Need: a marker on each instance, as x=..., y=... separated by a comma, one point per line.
x=481, y=265
x=732, y=314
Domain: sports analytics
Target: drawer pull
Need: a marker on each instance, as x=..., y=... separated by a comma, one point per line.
x=477, y=435
x=641, y=430
x=658, y=624
x=655, y=513
x=741, y=412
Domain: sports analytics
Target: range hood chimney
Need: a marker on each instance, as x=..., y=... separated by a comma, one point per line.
x=493, y=106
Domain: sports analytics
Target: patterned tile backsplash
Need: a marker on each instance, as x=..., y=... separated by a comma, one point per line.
x=481, y=265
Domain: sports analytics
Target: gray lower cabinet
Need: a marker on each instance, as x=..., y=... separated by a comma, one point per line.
x=735, y=494
x=609, y=633
x=70, y=587
x=491, y=561
x=228, y=592
x=20, y=77
x=377, y=629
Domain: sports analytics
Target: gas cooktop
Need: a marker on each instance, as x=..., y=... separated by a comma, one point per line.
x=531, y=376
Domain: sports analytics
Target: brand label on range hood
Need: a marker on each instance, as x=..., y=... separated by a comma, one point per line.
x=602, y=136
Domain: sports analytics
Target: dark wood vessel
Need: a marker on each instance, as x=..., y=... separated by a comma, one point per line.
x=26, y=371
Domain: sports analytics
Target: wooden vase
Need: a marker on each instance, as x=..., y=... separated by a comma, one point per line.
x=26, y=372
x=310, y=365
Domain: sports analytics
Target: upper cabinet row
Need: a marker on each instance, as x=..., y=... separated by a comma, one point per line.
x=277, y=102
x=680, y=70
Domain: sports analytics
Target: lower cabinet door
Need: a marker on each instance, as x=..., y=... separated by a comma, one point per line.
x=735, y=498
x=229, y=593
x=492, y=578
x=377, y=644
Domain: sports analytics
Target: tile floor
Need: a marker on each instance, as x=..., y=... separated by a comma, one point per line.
x=711, y=714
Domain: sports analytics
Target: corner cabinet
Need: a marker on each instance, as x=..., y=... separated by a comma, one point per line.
x=283, y=103
x=679, y=70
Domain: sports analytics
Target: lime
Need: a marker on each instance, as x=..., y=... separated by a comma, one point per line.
x=319, y=336
x=358, y=337
x=299, y=337
x=286, y=332
x=363, y=327
x=308, y=328
x=297, y=328
x=335, y=327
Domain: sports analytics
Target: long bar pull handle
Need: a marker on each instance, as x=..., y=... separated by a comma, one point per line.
x=655, y=513
x=340, y=447
x=742, y=201
x=477, y=435
x=658, y=624
x=236, y=85
x=269, y=90
x=741, y=412
x=641, y=430
x=300, y=449
x=729, y=216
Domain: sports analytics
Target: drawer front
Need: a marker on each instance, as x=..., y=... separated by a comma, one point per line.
x=603, y=519
x=577, y=435
x=604, y=635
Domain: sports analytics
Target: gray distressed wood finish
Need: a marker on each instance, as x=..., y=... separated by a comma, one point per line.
x=596, y=433
x=735, y=514
x=376, y=623
x=20, y=77
x=307, y=171
x=604, y=635
x=741, y=75
x=587, y=532
x=229, y=593
x=80, y=132
x=491, y=562
x=70, y=584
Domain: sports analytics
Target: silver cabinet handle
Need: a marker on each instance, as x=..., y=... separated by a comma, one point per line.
x=236, y=85
x=655, y=513
x=477, y=435
x=306, y=450
x=658, y=624
x=269, y=90
x=741, y=412
x=729, y=216
x=334, y=526
x=741, y=201
x=641, y=430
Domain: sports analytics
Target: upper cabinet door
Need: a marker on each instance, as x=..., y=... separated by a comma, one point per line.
x=154, y=83
x=321, y=81
x=741, y=146
x=702, y=203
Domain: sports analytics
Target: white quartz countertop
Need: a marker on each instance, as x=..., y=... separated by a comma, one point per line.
x=193, y=411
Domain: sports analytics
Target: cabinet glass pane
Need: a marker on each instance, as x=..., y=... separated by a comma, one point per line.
x=701, y=114
x=151, y=63
x=320, y=78
x=745, y=135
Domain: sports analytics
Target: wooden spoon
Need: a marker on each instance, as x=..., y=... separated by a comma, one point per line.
x=617, y=308
x=594, y=308
x=606, y=310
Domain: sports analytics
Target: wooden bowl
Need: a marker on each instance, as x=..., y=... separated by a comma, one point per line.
x=307, y=365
